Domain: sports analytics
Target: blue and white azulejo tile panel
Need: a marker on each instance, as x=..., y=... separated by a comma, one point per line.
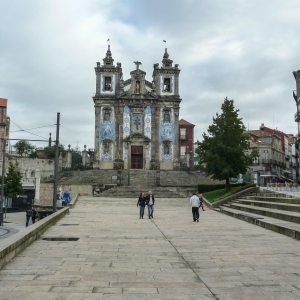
x=166, y=132
x=148, y=153
x=106, y=156
x=107, y=131
x=126, y=122
x=125, y=152
x=147, y=122
x=168, y=157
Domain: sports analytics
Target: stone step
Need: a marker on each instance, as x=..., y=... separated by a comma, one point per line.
x=287, y=228
x=271, y=194
x=273, y=205
x=274, y=199
x=134, y=192
x=272, y=213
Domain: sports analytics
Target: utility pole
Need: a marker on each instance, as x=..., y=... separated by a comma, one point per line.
x=56, y=162
x=3, y=174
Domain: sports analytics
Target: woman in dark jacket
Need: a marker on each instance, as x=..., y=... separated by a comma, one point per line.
x=141, y=202
x=33, y=215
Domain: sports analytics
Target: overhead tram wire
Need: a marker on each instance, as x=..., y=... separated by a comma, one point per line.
x=24, y=130
x=31, y=128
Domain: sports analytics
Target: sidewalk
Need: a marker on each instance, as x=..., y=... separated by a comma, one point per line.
x=119, y=256
x=13, y=223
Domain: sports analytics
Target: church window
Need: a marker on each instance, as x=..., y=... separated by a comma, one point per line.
x=106, y=115
x=106, y=147
x=167, y=85
x=167, y=118
x=166, y=148
x=107, y=83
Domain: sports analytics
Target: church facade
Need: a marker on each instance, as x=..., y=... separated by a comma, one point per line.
x=136, y=121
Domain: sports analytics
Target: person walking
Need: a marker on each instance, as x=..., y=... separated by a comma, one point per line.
x=28, y=215
x=141, y=202
x=66, y=199
x=195, y=202
x=201, y=202
x=33, y=215
x=150, y=202
x=59, y=199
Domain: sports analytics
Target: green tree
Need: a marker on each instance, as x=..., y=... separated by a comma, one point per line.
x=12, y=183
x=224, y=151
x=50, y=151
x=24, y=147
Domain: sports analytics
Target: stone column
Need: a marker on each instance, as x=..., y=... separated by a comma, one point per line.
x=84, y=156
x=176, y=140
x=69, y=158
x=37, y=185
x=96, y=158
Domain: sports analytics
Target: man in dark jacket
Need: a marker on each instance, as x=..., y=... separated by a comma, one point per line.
x=28, y=215
x=150, y=202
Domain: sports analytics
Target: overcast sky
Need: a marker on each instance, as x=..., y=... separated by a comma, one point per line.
x=245, y=50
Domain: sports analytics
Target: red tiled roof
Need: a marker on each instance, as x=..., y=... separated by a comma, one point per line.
x=184, y=122
x=3, y=102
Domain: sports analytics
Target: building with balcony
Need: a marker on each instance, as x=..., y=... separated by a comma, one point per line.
x=277, y=155
x=186, y=144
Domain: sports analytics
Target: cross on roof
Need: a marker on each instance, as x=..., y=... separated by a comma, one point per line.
x=137, y=64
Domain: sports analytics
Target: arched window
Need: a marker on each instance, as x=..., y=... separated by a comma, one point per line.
x=166, y=148
x=106, y=146
x=167, y=85
x=166, y=116
x=106, y=115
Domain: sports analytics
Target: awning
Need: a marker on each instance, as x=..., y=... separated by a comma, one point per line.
x=287, y=171
x=28, y=186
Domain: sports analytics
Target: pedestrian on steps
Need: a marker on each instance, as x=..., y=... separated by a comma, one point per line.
x=150, y=202
x=141, y=202
x=201, y=202
x=195, y=202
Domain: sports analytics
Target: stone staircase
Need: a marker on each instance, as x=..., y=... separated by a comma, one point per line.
x=142, y=177
x=274, y=211
x=136, y=178
x=134, y=192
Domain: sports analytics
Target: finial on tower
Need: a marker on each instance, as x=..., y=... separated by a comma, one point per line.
x=137, y=64
x=166, y=61
x=108, y=60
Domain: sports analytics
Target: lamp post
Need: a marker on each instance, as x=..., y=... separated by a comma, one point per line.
x=3, y=173
x=56, y=162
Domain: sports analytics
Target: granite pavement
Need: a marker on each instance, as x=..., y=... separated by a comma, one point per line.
x=120, y=256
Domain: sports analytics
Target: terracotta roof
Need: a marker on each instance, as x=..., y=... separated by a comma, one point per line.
x=3, y=102
x=184, y=122
x=259, y=133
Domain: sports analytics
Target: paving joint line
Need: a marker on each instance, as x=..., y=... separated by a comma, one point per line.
x=185, y=260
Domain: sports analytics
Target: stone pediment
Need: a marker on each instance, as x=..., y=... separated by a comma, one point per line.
x=137, y=136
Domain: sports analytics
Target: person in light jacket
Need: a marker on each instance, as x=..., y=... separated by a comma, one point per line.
x=195, y=202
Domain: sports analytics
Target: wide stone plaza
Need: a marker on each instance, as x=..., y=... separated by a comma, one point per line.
x=119, y=256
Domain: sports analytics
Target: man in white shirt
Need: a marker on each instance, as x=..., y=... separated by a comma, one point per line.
x=195, y=202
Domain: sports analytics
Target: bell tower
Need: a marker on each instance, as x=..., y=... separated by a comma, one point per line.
x=166, y=78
